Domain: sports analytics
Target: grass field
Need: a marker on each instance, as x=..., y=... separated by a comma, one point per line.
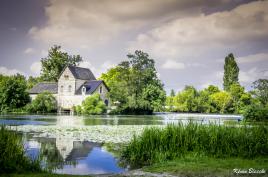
x=207, y=166
x=39, y=175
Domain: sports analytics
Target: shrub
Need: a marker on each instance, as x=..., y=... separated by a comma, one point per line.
x=12, y=155
x=78, y=109
x=13, y=92
x=43, y=103
x=160, y=144
x=93, y=105
x=256, y=113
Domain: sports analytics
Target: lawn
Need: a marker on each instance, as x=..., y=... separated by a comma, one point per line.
x=208, y=166
x=39, y=175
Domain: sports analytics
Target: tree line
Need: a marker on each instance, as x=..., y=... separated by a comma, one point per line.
x=136, y=89
x=233, y=99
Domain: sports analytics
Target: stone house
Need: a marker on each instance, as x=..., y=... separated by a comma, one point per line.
x=73, y=86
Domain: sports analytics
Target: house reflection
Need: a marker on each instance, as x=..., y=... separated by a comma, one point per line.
x=57, y=152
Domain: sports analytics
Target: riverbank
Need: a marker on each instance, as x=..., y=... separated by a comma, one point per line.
x=192, y=166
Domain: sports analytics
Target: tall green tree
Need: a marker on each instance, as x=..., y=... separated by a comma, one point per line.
x=231, y=72
x=261, y=90
x=240, y=98
x=13, y=92
x=221, y=100
x=134, y=83
x=172, y=93
x=32, y=81
x=55, y=62
x=186, y=100
x=204, y=100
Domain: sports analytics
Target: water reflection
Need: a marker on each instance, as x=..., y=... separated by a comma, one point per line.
x=71, y=157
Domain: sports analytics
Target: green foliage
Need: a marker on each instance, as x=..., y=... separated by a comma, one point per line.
x=240, y=99
x=12, y=155
x=172, y=93
x=256, y=113
x=55, y=62
x=176, y=141
x=231, y=72
x=32, y=81
x=204, y=102
x=135, y=85
x=186, y=100
x=13, y=92
x=221, y=100
x=43, y=103
x=261, y=90
x=92, y=105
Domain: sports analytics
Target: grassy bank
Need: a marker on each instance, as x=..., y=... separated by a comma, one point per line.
x=191, y=165
x=157, y=145
x=12, y=154
x=40, y=175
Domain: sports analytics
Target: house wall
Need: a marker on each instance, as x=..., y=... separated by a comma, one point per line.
x=104, y=93
x=66, y=98
x=68, y=101
x=79, y=83
x=64, y=83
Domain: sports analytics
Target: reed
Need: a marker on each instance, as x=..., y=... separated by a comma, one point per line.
x=175, y=141
x=12, y=154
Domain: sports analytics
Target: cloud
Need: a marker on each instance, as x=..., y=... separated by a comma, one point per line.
x=171, y=64
x=29, y=51
x=36, y=67
x=259, y=57
x=204, y=35
x=9, y=72
x=252, y=75
x=86, y=24
x=97, y=71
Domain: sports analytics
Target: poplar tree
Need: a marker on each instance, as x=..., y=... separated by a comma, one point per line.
x=231, y=71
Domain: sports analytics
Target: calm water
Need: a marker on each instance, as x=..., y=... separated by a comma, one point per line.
x=72, y=156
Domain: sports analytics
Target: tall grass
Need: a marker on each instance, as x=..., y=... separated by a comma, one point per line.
x=173, y=141
x=12, y=154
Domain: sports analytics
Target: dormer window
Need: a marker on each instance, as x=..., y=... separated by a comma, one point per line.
x=84, y=90
x=100, y=89
x=69, y=88
x=66, y=77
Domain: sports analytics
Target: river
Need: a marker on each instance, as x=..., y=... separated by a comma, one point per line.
x=77, y=144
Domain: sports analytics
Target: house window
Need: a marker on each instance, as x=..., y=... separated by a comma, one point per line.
x=100, y=89
x=106, y=102
x=61, y=88
x=69, y=88
x=84, y=90
x=66, y=77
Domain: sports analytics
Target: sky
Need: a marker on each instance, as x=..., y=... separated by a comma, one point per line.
x=188, y=39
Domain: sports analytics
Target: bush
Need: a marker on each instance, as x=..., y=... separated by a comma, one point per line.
x=256, y=113
x=12, y=155
x=78, y=109
x=160, y=144
x=43, y=103
x=13, y=92
x=92, y=105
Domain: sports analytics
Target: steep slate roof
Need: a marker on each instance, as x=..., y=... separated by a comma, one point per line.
x=91, y=86
x=82, y=73
x=44, y=86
